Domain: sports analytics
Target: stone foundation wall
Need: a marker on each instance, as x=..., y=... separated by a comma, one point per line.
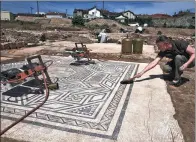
x=12, y=45
x=184, y=21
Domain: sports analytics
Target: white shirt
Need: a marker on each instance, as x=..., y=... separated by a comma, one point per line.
x=139, y=28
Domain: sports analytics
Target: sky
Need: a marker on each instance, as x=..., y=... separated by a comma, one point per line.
x=137, y=7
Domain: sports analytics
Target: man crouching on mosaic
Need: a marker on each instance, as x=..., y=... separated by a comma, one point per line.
x=181, y=53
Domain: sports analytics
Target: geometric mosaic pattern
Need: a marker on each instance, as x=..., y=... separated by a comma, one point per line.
x=90, y=99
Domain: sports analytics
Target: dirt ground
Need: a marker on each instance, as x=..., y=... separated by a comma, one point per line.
x=182, y=97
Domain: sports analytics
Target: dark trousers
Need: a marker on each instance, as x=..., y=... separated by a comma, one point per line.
x=173, y=67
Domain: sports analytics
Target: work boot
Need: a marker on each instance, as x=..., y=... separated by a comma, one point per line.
x=176, y=83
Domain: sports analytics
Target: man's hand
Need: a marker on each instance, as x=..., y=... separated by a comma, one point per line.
x=183, y=67
x=138, y=75
x=128, y=81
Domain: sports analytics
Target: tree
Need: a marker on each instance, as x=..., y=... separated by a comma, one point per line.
x=188, y=11
x=78, y=21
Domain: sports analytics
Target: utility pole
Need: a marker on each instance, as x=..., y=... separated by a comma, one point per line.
x=37, y=8
x=66, y=12
x=31, y=9
x=103, y=5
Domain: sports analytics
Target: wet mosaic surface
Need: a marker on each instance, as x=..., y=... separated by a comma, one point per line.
x=90, y=99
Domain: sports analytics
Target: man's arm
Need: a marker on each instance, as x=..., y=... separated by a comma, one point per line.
x=149, y=66
x=191, y=51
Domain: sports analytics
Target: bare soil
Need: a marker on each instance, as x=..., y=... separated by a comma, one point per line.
x=183, y=99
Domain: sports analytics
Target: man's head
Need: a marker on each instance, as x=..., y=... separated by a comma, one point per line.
x=163, y=43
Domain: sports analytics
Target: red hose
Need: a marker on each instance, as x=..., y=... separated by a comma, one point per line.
x=46, y=98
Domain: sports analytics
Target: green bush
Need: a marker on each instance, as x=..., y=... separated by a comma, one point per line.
x=159, y=33
x=78, y=21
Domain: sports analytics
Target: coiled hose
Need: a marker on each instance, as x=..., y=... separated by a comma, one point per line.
x=22, y=118
x=30, y=112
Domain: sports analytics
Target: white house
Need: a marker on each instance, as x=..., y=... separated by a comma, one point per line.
x=129, y=14
x=55, y=15
x=6, y=15
x=134, y=24
x=94, y=13
x=42, y=13
x=121, y=18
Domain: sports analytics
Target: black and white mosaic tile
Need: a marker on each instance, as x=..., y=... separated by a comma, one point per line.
x=90, y=99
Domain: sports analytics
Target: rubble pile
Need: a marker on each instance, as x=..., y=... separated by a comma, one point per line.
x=149, y=39
x=59, y=21
x=59, y=24
x=27, y=37
x=27, y=18
x=55, y=36
x=12, y=45
x=97, y=24
x=11, y=39
x=67, y=36
x=171, y=31
x=59, y=27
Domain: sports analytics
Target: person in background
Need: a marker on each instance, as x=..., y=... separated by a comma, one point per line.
x=103, y=36
x=139, y=30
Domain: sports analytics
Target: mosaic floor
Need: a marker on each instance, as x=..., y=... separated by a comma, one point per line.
x=90, y=99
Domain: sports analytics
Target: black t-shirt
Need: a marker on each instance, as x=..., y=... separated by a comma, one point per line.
x=178, y=48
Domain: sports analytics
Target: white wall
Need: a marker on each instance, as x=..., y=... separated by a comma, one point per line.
x=40, y=13
x=5, y=16
x=54, y=16
x=94, y=12
x=129, y=15
x=122, y=20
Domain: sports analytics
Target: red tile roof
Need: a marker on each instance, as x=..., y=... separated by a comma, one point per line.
x=160, y=16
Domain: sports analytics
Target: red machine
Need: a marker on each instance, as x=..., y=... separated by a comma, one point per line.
x=32, y=70
x=79, y=53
